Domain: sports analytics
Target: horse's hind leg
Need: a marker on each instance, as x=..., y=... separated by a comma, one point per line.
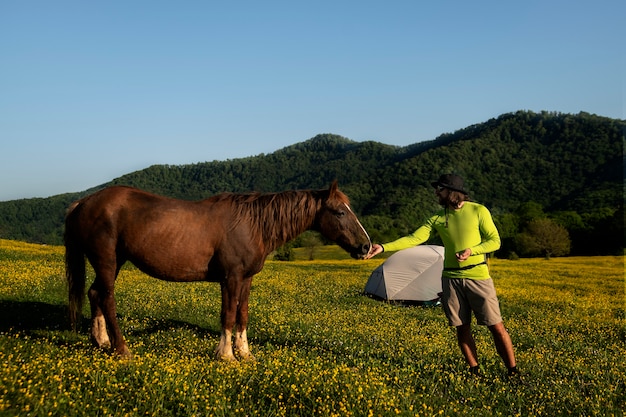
x=103, y=310
x=99, y=334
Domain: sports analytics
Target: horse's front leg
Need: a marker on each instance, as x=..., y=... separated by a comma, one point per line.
x=231, y=289
x=241, y=336
x=224, y=350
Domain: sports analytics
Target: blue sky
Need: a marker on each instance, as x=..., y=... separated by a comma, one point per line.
x=90, y=91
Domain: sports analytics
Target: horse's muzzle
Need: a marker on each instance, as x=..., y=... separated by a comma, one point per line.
x=362, y=251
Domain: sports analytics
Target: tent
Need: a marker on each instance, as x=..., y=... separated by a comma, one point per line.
x=409, y=276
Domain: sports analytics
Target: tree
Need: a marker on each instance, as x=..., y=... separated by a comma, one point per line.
x=284, y=253
x=508, y=227
x=570, y=220
x=529, y=211
x=544, y=237
x=310, y=241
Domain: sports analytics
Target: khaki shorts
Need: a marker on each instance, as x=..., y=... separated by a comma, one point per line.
x=461, y=296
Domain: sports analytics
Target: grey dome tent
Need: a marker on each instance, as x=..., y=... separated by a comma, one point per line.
x=409, y=276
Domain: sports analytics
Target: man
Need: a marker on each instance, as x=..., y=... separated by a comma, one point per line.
x=468, y=234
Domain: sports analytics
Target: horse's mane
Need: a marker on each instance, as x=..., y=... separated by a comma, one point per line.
x=277, y=218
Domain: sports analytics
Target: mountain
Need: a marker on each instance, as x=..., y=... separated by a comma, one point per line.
x=563, y=163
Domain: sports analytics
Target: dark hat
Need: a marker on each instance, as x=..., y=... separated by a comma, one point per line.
x=452, y=182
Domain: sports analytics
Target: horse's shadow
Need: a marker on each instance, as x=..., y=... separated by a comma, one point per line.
x=157, y=325
x=32, y=316
x=43, y=320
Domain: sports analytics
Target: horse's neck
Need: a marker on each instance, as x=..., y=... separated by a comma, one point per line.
x=287, y=217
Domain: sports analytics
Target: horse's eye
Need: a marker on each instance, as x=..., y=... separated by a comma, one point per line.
x=340, y=213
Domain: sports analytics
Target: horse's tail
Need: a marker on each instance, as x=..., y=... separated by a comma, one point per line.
x=74, y=267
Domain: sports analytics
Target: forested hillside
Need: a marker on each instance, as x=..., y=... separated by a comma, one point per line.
x=524, y=166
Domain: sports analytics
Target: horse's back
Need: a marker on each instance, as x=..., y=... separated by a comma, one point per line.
x=167, y=238
x=119, y=195
x=108, y=205
x=120, y=201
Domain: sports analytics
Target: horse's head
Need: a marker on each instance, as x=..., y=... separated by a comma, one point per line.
x=336, y=221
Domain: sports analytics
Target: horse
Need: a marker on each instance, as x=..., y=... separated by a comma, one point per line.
x=225, y=238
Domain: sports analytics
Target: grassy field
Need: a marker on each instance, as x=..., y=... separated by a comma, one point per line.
x=322, y=348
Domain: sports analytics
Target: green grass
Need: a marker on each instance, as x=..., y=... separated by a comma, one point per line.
x=322, y=348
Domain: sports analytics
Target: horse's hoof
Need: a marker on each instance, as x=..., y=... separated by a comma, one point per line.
x=225, y=357
x=248, y=358
x=244, y=355
x=124, y=354
x=103, y=346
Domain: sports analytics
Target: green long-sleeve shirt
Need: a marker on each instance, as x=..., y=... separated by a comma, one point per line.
x=471, y=226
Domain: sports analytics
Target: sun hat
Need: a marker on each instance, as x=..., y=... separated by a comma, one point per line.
x=451, y=182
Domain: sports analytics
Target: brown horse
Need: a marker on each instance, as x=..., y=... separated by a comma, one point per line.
x=225, y=238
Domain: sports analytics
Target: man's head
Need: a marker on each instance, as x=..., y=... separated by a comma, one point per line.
x=452, y=182
x=450, y=190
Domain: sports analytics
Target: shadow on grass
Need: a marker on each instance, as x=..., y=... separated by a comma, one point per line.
x=32, y=316
x=50, y=322
x=155, y=325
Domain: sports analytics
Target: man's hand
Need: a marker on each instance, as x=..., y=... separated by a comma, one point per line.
x=463, y=255
x=376, y=249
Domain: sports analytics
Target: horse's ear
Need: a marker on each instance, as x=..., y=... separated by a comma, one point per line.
x=333, y=188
